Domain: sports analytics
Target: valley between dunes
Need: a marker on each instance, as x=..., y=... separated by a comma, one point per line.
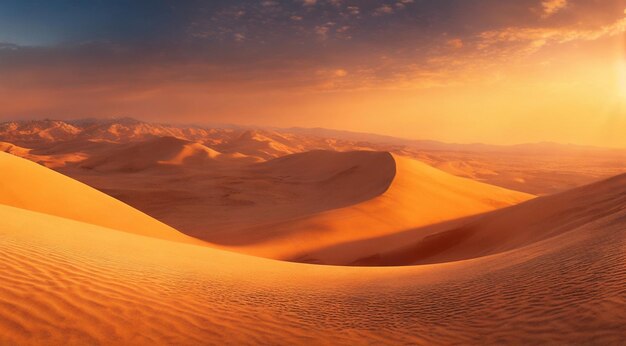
x=419, y=256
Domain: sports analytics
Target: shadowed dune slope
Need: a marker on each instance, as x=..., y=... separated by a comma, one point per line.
x=25, y=184
x=342, y=178
x=71, y=283
x=418, y=195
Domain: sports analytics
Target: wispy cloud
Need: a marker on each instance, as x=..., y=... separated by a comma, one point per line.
x=383, y=9
x=551, y=7
x=534, y=38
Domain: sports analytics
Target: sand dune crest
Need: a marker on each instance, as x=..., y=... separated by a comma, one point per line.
x=25, y=184
x=418, y=195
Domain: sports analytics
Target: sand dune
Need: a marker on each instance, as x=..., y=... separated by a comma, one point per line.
x=158, y=152
x=49, y=160
x=215, y=202
x=80, y=267
x=281, y=203
x=264, y=146
x=517, y=226
x=72, y=283
x=345, y=178
x=25, y=184
x=14, y=149
x=292, y=207
x=418, y=195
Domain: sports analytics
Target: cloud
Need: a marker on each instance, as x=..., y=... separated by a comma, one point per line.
x=534, y=38
x=353, y=10
x=383, y=10
x=322, y=31
x=403, y=52
x=455, y=43
x=551, y=7
x=402, y=3
x=309, y=2
x=8, y=46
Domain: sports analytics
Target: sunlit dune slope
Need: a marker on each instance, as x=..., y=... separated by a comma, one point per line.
x=418, y=195
x=51, y=160
x=25, y=184
x=515, y=227
x=13, y=149
x=71, y=283
x=264, y=146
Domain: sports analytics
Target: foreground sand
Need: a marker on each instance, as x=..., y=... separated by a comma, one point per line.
x=67, y=282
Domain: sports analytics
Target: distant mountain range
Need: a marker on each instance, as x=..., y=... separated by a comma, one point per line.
x=35, y=133
x=537, y=168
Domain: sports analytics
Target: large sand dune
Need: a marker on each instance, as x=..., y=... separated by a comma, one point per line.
x=293, y=207
x=289, y=207
x=72, y=283
x=418, y=195
x=498, y=231
x=25, y=184
x=517, y=226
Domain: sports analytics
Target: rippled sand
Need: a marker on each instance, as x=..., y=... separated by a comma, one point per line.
x=67, y=282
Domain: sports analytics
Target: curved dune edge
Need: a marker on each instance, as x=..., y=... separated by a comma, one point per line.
x=333, y=180
x=419, y=195
x=25, y=184
x=71, y=283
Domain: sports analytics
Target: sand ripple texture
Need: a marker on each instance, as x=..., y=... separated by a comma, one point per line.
x=70, y=283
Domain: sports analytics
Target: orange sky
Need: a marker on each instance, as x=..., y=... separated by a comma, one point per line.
x=556, y=74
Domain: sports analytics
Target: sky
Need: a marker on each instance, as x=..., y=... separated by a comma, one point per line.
x=491, y=71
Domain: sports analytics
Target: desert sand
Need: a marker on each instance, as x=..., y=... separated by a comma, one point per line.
x=420, y=256
x=71, y=282
x=417, y=195
x=289, y=207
